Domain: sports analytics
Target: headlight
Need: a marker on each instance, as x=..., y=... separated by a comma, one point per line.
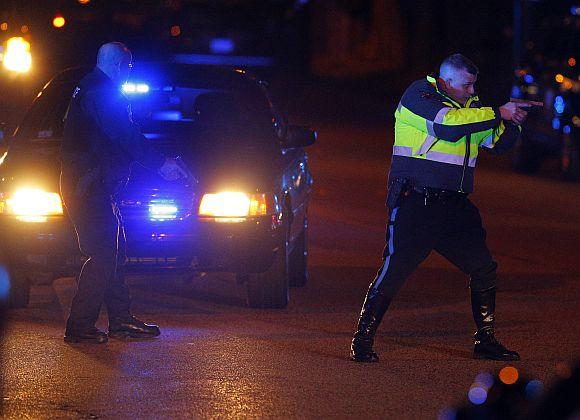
x=234, y=206
x=32, y=205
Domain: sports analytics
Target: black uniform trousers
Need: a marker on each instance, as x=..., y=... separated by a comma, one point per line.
x=449, y=224
x=101, y=238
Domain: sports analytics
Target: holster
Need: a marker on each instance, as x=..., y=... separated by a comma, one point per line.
x=397, y=187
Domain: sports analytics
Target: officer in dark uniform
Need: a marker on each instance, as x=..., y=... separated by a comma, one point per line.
x=440, y=125
x=100, y=143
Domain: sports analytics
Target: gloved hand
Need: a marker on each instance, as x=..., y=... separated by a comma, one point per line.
x=171, y=170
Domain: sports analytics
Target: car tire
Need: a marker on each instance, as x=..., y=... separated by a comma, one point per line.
x=570, y=162
x=270, y=289
x=526, y=158
x=298, y=259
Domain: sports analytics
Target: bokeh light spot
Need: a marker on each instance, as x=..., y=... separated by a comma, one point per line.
x=4, y=26
x=509, y=375
x=559, y=78
x=175, y=30
x=534, y=389
x=571, y=61
x=4, y=283
x=58, y=22
x=477, y=395
x=24, y=29
x=484, y=380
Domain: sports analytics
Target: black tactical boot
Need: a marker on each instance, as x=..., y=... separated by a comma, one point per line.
x=131, y=327
x=486, y=345
x=372, y=312
x=90, y=336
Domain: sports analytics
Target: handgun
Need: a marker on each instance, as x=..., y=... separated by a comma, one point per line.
x=527, y=104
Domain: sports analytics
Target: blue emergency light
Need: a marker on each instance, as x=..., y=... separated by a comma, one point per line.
x=135, y=88
x=162, y=210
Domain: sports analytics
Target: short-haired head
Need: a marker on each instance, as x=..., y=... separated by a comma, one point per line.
x=457, y=62
x=458, y=75
x=114, y=59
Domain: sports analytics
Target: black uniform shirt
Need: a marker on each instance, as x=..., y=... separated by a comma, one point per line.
x=100, y=137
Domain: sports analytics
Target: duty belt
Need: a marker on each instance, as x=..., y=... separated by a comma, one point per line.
x=438, y=194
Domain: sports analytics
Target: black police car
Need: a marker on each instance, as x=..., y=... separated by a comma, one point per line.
x=244, y=210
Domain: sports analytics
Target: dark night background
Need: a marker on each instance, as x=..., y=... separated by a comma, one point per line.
x=337, y=52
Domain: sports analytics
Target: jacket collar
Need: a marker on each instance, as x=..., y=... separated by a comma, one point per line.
x=436, y=83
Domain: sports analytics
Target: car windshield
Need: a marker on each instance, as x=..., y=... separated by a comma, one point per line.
x=173, y=106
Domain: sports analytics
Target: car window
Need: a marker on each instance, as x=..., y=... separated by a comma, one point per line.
x=44, y=120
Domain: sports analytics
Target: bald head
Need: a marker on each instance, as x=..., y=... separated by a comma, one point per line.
x=114, y=59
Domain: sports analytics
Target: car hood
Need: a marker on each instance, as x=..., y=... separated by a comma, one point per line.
x=242, y=168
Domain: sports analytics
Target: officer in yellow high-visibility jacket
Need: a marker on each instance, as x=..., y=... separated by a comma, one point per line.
x=440, y=125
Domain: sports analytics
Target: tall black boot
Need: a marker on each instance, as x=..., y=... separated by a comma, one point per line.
x=374, y=307
x=486, y=345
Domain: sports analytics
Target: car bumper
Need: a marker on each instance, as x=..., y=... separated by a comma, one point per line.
x=246, y=246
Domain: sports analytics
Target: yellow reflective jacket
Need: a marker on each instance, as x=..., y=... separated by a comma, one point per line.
x=437, y=139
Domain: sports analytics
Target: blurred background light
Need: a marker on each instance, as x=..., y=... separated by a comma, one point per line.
x=221, y=46
x=477, y=395
x=534, y=389
x=484, y=379
x=529, y=78
x=509, y=375
x=58, y=21
x=571, y=61
x=4, y=283
x=175, y=30
x=4, y=26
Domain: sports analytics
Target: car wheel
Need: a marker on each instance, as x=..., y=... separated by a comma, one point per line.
x=298, y=259
x=526, y=158
x=570, y=162
x=270, y=289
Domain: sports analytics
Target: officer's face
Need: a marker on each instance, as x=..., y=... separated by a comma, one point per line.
x=460, y=85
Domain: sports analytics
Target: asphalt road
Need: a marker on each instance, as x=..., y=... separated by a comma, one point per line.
x=218, y=358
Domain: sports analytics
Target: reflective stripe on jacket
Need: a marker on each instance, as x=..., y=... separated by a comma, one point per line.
x=437, y=139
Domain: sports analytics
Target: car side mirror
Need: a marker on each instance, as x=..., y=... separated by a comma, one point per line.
x=297, y=136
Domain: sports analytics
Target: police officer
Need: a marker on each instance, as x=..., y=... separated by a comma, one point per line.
x=100, y=143
x=439, y=126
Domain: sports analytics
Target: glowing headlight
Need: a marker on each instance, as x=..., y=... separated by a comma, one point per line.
x=31, y=205
x=17, y=57
x=233, y=205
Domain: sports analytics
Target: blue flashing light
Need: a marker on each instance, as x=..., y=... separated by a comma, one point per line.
x=162, y=210
x=556, y=123
x=132, y=88
x=167, y=116
x=477, y=395
x=559, y=104
x=529, y=78
x=516, y=92
x=4, y=283
x=566, y=129
x=221, y=46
